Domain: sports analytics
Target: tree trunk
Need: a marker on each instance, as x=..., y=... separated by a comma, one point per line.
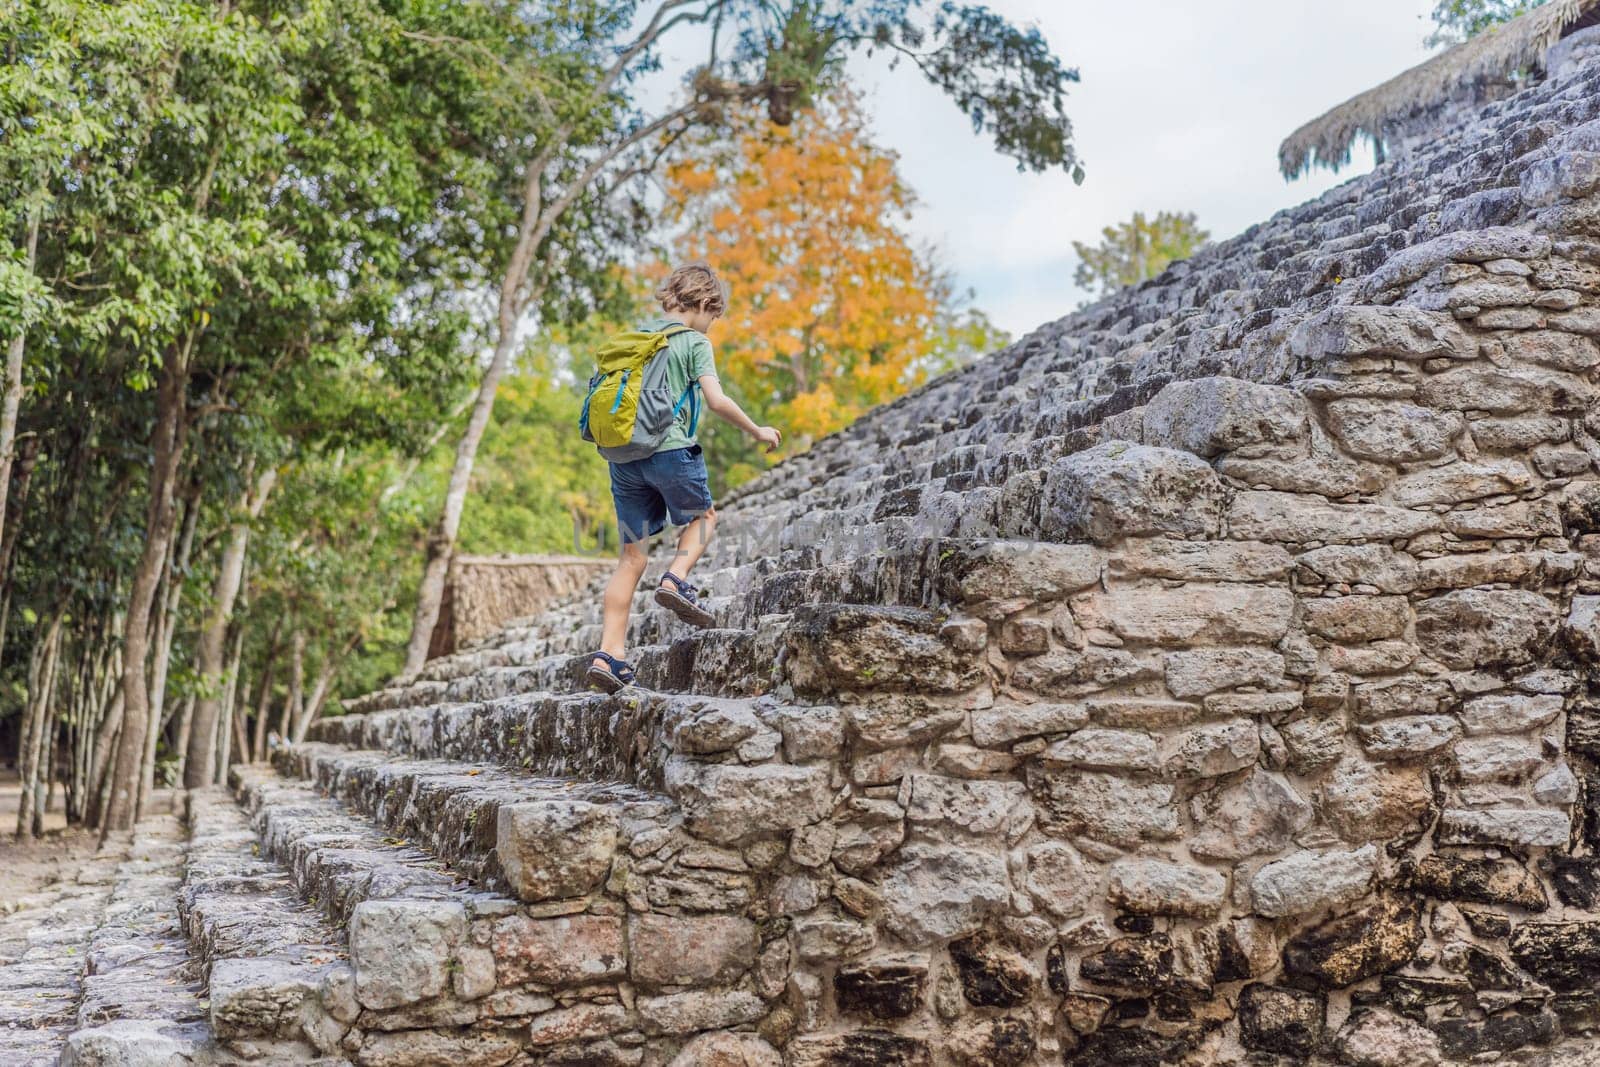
x=198, y=769
x=12, y=400
x=442, y=539
x=293, y=702
x=230, y=710
x=41, y=680
x=264, y=700
x=167, y=441
x=166, y=628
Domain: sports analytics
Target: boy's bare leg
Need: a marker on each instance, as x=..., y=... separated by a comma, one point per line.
x=692, y=544
x=619, y=599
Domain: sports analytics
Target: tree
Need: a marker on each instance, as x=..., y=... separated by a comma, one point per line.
x=1140, y=248
x=1460, y=20
x=834, y=310
x=249, y=241
x=590, y=142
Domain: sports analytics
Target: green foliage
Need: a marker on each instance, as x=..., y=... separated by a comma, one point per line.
x=1460, y=20
x=1141, y=248
x=1004, y=78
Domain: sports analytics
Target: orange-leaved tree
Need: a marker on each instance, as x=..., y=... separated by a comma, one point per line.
x=834, y=309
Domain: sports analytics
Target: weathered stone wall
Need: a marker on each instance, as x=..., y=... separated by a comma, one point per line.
x=1208, y=678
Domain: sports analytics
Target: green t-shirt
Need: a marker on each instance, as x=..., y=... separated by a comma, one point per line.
x=688, y=357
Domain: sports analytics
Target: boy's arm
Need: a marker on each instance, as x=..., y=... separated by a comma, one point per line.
x=724, y=406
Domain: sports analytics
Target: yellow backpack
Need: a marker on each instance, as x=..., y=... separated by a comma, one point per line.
x=630, y=407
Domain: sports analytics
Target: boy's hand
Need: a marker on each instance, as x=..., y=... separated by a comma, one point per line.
x=769, y=436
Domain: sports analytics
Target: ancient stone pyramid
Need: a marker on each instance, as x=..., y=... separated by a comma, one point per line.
x=1206, y=679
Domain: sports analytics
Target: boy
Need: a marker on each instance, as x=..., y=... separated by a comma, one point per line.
x=670, y=483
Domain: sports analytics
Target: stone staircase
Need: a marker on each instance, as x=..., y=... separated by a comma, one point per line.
x=1208, y=678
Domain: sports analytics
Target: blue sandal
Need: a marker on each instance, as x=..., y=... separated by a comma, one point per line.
x=616, y=675
x=683, y=601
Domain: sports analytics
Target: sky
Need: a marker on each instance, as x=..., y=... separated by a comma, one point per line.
x=1181, y=107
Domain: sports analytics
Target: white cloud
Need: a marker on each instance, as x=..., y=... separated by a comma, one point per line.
x=1181, y=107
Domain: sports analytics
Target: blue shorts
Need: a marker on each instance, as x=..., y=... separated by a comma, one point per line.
x=648, y=491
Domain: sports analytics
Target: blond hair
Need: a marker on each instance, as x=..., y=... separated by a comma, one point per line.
x=693, y=287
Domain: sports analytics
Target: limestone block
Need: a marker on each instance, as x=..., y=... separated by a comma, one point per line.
x=1504, y=826
x=401, y=949
x=1209, y=416
x=1380, y=1038
x=1493, y=758
x=877, y=1047
x=811, y=732
x=1408, y=737
x=1360, y=331
x=1489, y=568
x=262, y=997
x=1287, y=517
x=1357, y=618
x=1553, y=348
x=549, y=849
x=834, y=647
x=1346, y=949
x=133, y=1043
x=832, y=939
x=1313, y=742
x=1065, y=672
x=1392, y=432
x=1210, y=749
x=713, y=729
x=1104, y=749
x=1366, y=802
x=1582, y=628
x=1563, y=176
x=1107, y=807
x=934, y=801
x=1518, y=433
x=933, y=893
x=1558, y=785
x=1309, y=881
x=1151, y=887
x=724, y=803
x=1563, y=955
x=690, y=949
x=1006, y=723
x=1057, y=879
x=993, y=974
x=1116, y=490
x=1201, y=561
x=1258, y=815
x=1457, y=483
x=1194, y=614
x=1486, y=627
x=1469, y=246
x=890, y=987
x=1281, y=1020
x=582, y=1022
x=1479, y=880
x=685, y=1013
x=727, y=1050
x=1197, y=673
x=987, y=1042
x=1508, y=713
x=1505, y=390
x=567, y=950
x=1376, y=565
x=973, y=572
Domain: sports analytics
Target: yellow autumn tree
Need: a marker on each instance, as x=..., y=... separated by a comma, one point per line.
x=834, y=309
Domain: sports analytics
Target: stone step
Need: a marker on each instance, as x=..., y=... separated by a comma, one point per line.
x=277, y=976
x=44, y=940
x=495, y=826
x=142, y=992
x=622, y=893
x=626, y=738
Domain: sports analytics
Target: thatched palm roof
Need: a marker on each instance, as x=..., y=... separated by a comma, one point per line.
x=1493, y=55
